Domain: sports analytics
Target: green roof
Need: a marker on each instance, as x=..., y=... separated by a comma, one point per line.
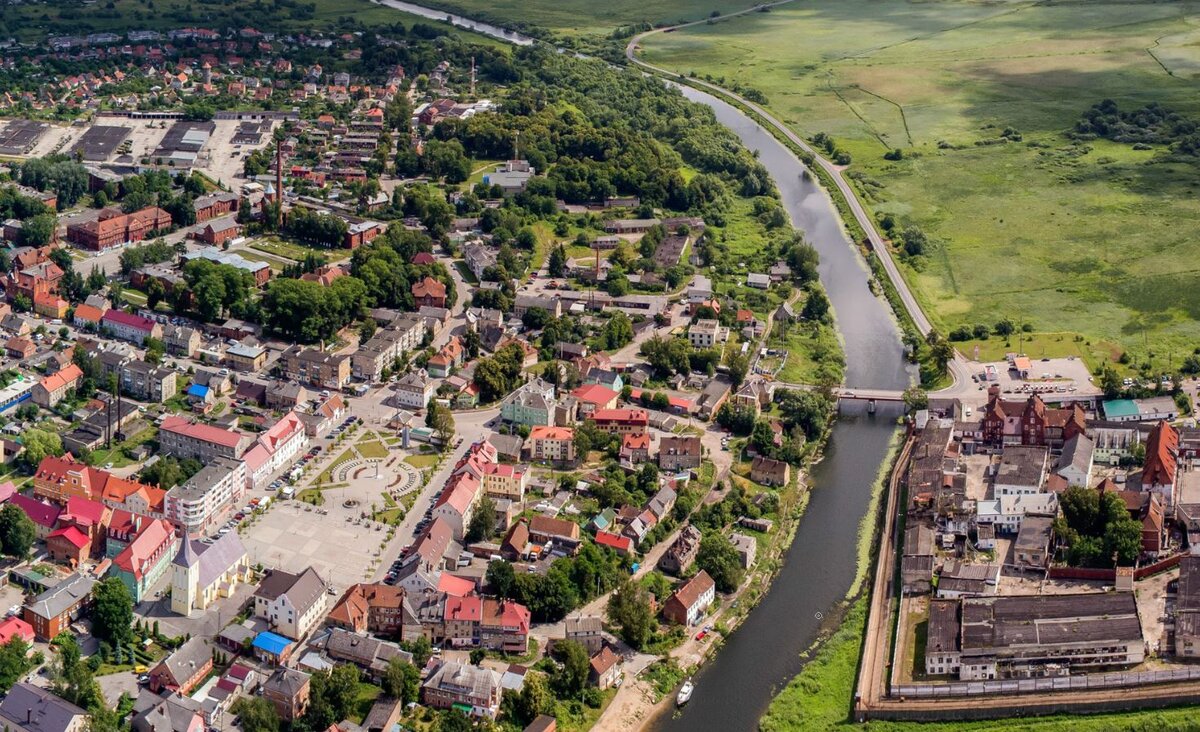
x=1118, y=408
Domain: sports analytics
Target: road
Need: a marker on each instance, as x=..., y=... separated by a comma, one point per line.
x=958, y=367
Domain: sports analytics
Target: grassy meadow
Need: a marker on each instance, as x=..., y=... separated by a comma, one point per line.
x=1081, y=238
x=580, y=18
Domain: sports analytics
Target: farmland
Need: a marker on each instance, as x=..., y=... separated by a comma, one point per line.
x=1067, y=236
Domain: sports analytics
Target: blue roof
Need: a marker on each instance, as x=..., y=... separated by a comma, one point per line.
x=272, y=643
x=198, y=390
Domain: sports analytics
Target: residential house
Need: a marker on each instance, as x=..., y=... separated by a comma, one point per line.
x=414, y=389
x=288, y=691
x=291, y=603
x=369, y=654
x=770, y=472
x=184, y=438
x=604, y=670
x=475, y=690
x=374, y=608
x=29, y=708
x=551, y=444
x=532, y=404
x=563, y=533
x=319, y=368
x=1161, y=468
x=54, y=610
x=142, y=563
x=53, y=388
x=178, y=340
x=682, y=552
x=1075, y=463
x=171, y=713
x=128, y=327
x=148, y=382
x=246, y=357
x=706, y=333
x=184, y=669
x=679, y=453
x=429, y=292
x=1030, y=422
x=505, y=481
x=687, y=604
x=635, y=449
x=447, y=359
x=592, y=397
x=621, y=421
x=587, y=631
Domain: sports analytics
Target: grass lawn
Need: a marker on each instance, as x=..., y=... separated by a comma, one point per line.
x=421, y=461
x=465, y=271
x=116, y=454
x=814, y=354
x=363, y=699
x=1043, y=345
x=327, y=474
x=1068, y=238
x=372, y=449
x=577, y=17
x=294, y=251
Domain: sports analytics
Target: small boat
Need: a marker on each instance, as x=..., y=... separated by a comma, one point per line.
x=685, y=693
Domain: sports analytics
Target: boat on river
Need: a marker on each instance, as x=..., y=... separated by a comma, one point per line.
x=685, y=693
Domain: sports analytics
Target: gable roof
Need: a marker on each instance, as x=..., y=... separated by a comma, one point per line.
x=64, y=377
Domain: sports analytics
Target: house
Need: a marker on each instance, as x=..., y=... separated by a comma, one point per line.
x=87, y=316
x=587, y=631
x=770, y=472
x=292, y=604
x=148, y=382
x=14, y=627
x=604, y=670
x=1075, y=463
x=591, y=397
x=178, y=340
x=246, y=357
x=551, y=444
x=414, y=389
x=216, y=233
x=679, y=453
x=1021, y=471
x=68, y=545
x=635, y=449
x=184, y=438
x=755, y=393
x=203, y=573
x=622, y=545
x=375, y=608
x=706, y=333
x=147, y=558
x=505, y=481
x=687, y=604
x=532, y=404
x=429, y=292
x=319, y=368
x=184, y=669
x=286, y=395
x=43, y=515
x=53, y=388
x=370, y=654
x=171, y=713
x=1032, y=548
x=474, y=690
x=49, y=305
x=20, y=348
x=55, y=609
x=288, y=691
x=29, y=708
x=1161, y=468
x=1031, y=422
x=564, y=533
x=272, y=649
x=128, y=327
x=621, y=421
x=682, y=552
x=384, y=715
x=447, y=359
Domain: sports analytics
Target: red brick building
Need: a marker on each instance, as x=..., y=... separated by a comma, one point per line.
x=214, y=205
x=1030, y=422
x=219, y=231
x=113, y=227
x=429, y=292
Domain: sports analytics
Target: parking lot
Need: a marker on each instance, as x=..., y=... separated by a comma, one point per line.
x=223, y=160
x=20, y=136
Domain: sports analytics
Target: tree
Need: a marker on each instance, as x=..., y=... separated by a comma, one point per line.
x=443, y=423
x=112, y=612
x=1123, y=540
x=630, y=610
x=816, y=307
x=501, y=578
x=256, y=714
x=483, y=521
x=718, y=557
x=558, y=261
x=70, y=677
x=535, y=698
x=38, y=444
x=915, y=398
x=14, y=662
x=402, y=680
x=17, y=532
x=616, y=332
x=739, y=365
x=39, y=230
x=571, y=676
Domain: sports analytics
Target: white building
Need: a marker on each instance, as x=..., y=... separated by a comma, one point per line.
x=414, y=389
x=274, y=450
x=291, y=603
x=707, y=333
x=199, y=504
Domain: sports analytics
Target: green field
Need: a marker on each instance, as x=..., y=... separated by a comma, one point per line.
x=581, y=18
x=1081, y=238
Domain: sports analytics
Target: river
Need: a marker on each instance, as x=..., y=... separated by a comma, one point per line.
x=763, y=654
x=487, y=29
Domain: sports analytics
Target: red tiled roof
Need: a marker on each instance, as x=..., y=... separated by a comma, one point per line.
x=120, y=317
x=88, y=313
x=594, y=394
x=551, y=433
x=202, y=432
x=620, y=543
x=637, y=416
x=63, y=377
x=429, y=287
x=73, y=535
